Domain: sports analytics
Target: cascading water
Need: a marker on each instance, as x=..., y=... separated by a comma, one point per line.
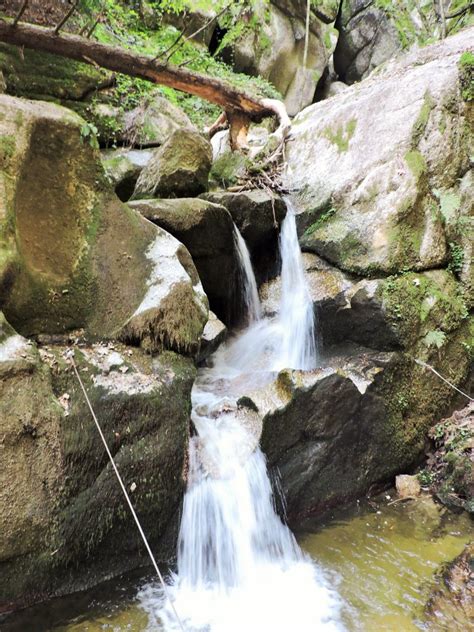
x=249, y=284
x=239, y=567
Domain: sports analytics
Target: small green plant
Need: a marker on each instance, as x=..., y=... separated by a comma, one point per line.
x=456, y=253
x=425, y=477
x=466, y=75
x=322, y=219
x=89, y=134
x=435, y=338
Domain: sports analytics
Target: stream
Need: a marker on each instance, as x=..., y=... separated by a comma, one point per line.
x=239, y=567
x=383, y=564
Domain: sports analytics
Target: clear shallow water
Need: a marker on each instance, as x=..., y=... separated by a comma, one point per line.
x=383, y=564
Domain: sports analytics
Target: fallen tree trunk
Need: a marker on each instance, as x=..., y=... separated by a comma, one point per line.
x=235, y=102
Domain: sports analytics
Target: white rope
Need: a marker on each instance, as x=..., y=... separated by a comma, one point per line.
x=135, y=517
x=427, y=366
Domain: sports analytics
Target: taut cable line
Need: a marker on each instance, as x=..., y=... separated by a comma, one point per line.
x=125, y=493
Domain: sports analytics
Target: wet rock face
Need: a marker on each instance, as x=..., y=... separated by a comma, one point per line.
x=65, y=525
x=179, y=168
x=400, y=141
x=73, y=256
x=322, y=433
x=258, y=215
x=367, y=38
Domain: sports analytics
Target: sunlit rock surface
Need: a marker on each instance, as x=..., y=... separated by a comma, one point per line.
x=379, y=172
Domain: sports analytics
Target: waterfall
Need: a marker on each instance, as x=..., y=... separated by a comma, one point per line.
x=240, y=568
x=248, y=282
x=296, y=312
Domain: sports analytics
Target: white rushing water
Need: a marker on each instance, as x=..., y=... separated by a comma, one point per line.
x=249, y=284
x=240, y=568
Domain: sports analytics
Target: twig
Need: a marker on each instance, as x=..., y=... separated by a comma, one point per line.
x=20, y=12
x=202, y=28
x=66, y=17
x=93, y=27
x=460, y=12
x=167, y=50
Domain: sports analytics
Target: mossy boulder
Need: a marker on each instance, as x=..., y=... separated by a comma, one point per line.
x=37, y=75
x=375, y=168
x=274, y=49
x=179, y=168
x=72, y=255
x=206, y=229
x=65, y=524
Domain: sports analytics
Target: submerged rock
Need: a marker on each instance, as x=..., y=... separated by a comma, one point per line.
x=65, y=525
x=376, y=170
x=73, y=256
x=452, y=603
x=179, y=168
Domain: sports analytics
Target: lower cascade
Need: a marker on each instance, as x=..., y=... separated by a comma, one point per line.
x=239, y=566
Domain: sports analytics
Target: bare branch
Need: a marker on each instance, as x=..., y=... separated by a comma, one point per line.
x=202, y=28
x=20, y=12
x=469, y=7
x=66, y=17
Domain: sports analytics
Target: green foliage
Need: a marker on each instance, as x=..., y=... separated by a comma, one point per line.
x=426, y=478
x=89, y=134
x=435, y=338
x=456, y=255
x=322, y=219
x=123, y=26
x=466, y=75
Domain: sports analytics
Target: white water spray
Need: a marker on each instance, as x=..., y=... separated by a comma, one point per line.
x=239, y=566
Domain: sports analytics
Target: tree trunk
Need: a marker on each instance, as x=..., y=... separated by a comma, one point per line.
x=231, y=99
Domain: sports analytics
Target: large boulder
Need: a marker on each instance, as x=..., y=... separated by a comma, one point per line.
x=372, y=31
x=381, y=171
x=206, y=229
x=65, y=525
x=367, y=38
x=73, y=256
x=179, y=168
x=275, y=51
